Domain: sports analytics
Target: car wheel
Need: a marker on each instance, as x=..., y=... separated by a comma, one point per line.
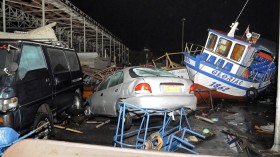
x=127, y=121
x=87, y=111
x=76, y=107
x=43, y=126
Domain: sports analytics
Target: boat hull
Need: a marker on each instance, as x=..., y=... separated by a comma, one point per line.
x=204, y=93
x=226, y=84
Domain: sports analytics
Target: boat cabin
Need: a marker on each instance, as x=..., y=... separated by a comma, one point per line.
x=232, y=54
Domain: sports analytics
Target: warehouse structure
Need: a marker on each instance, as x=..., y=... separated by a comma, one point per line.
x=74, y=28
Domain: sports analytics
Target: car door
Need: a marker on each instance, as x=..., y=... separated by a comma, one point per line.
x=61, y=78
x=97, y=99
x=113, y=93
x=75, y=69
x=34, y=84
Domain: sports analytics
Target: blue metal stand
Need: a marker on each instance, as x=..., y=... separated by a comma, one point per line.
x=162, y=137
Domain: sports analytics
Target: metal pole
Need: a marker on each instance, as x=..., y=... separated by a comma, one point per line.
x=79, y=46
x=127, y=55
x=96, y=40
x=115, y=53
x=276, y=145
x=71, y=32
x=110, y=48
x=119, y=52
x=102, y=46
x=84, y=34
x=4, y=15
x=183, y=29
x=43, y=13
x=122, y=55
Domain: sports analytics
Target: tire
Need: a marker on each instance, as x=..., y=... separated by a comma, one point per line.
x=128, y=117
x=127, y=121
x=46, y=131
x=251, y=93
x=87, y=111
x=76, y=106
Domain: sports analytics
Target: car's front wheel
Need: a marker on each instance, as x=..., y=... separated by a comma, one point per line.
x=43, y=126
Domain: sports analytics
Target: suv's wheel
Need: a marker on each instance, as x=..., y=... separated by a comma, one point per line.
x=76, y=107
x=43, y=126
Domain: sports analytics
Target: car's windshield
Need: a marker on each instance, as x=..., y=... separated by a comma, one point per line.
x=6, y=57
x=143, y=71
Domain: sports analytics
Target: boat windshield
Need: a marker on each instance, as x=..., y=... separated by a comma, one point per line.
x=211, y=42
x=223, y=47
x=6, y=57
x=237, y=52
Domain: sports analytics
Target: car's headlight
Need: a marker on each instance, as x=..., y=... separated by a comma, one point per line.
x=7, y=104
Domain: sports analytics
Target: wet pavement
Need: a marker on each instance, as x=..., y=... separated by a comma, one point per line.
x=232, y=120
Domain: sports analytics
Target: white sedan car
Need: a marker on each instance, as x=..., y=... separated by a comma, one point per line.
x=145, y=87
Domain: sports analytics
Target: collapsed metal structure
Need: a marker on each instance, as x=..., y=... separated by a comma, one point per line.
x=74, y=27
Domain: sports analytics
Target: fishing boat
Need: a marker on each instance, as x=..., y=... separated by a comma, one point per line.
x=236, y=67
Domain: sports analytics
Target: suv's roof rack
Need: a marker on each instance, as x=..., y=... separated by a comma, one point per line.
x=46, y=32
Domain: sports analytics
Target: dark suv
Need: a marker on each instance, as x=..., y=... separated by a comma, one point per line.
x=38, y=82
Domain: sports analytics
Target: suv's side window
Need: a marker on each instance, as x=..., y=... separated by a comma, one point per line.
x=58, y=60
x=31, y=58
x=73, y=60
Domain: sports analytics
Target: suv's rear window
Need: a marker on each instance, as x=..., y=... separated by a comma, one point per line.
x=144, y=71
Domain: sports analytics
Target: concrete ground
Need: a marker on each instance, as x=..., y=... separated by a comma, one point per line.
x=234, y=120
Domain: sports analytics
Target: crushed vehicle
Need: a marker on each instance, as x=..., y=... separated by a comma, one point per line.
x=38, y=82
x=145, y=87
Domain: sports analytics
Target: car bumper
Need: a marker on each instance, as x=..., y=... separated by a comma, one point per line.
x=163, y=102
x=7, y=120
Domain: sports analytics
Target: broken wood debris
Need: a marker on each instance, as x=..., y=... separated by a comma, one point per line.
x=68, y=129
x=260, y=130
x=99, y=123
x=204, y=119
x=103, y=123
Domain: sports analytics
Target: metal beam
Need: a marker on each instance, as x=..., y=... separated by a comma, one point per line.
x=73, y=25
x=84, y=34
x=43, y=13
x=4, y=15
x=71, y=32
x=276, y=145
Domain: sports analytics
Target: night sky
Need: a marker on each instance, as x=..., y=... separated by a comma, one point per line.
x=157, y=23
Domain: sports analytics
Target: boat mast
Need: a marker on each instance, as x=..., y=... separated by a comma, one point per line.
x=241, y=11
x=235, y=24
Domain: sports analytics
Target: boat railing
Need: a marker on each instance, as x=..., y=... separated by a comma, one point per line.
x=194, y=48
x=262, y=71
x=167, y=60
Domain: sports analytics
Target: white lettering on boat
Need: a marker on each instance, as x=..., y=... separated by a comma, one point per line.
x=227, y=77
x=219, y=86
